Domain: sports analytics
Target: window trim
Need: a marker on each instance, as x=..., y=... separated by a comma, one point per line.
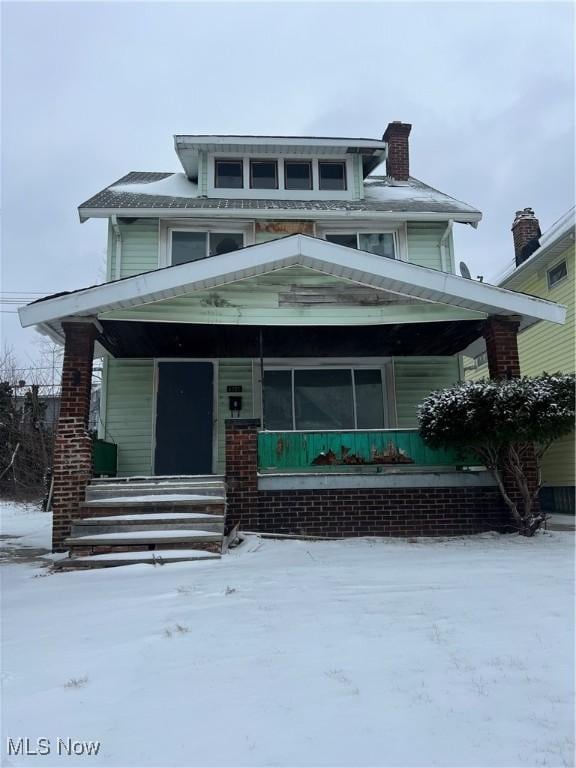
x=228, y=160
x=332, y=162
x=338, y=367
x=273, y=161
x=553, y=285
x=359, y=232
x=301, y=162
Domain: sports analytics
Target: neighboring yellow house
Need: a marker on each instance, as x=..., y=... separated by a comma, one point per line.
x=544, y=266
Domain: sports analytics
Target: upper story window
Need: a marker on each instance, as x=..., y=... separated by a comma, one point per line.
x=189, y=245
x=557, y=273
x=379, y=243
x=331, y=175
x=263, y=174
x=229, y=174
x=297, y=174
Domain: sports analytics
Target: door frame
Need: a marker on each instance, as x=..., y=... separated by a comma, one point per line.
x=215, y=415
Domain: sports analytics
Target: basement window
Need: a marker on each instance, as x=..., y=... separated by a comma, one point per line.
x=191, y=246
x=379, y=243
x=332, y=175
x=323, y=399
x=228, y=174
x=557, y=273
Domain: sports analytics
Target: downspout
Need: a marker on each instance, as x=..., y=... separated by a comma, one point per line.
x=444, y=253
x=117, y=248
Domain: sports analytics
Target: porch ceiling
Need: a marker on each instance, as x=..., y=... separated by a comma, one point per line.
x=297, y=250
x=145, y=339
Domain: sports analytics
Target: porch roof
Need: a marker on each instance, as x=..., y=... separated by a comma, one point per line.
x=360, y=267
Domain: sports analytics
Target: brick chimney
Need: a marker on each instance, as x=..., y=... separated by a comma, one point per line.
x=398, y=159
x=525, y=231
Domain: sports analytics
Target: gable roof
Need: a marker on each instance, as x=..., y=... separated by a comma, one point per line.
x=328, y=258
x=143, y=193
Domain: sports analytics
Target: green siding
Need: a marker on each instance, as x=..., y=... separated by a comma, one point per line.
x=139, y=248
x=424, y=243
x=232, y=372
x=414, y=378
x=259, y=300
x=129, y=413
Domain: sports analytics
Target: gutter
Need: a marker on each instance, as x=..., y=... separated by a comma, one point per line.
x=444, y=254
x=466, y=217
x=117, y=247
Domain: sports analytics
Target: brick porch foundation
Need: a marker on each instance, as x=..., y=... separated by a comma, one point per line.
x=350, y=512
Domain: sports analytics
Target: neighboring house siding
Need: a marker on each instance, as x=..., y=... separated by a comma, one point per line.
x=129, y=413
x=547, y=346
x=424, y=244
x=550, y=348
x=415, y=378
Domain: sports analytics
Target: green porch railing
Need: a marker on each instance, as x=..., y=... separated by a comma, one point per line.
x=338, y=451
x=104, y=458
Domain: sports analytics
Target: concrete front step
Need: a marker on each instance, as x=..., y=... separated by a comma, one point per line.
x=202, y=505
x=143, y=538
x=123, y=491
x=158, y=479
x=155, y=557
x=163, y=521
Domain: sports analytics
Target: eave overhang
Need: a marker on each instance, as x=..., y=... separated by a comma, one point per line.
x=297, y=250
x=461, y=217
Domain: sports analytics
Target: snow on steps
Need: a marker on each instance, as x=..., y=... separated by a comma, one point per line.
x=125, y=520
x=155, y=557
x=159, y=521
x=144, y=538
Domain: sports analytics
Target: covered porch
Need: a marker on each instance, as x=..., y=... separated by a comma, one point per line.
x=312, y=356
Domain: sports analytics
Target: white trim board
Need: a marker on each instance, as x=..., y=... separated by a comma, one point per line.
x=296, y=250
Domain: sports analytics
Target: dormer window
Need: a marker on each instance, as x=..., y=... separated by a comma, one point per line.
x=332, y=175
x=297, y=174
x=263, y=174
x=228, y=174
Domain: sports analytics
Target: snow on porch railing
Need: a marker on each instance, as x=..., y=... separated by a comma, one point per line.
x=337, y=451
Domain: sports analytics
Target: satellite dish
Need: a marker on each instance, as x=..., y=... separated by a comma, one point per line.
x=464, y=271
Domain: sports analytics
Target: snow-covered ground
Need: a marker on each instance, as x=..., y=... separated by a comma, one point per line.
x=289, y=653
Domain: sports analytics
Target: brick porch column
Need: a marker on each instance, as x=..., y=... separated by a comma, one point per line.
x=501, y=335
x=72, y=464
x=242, y=473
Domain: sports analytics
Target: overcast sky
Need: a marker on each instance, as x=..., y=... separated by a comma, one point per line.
x=93, y=90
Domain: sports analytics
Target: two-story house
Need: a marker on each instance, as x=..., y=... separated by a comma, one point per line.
x=274, y=313
x=544, y=265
